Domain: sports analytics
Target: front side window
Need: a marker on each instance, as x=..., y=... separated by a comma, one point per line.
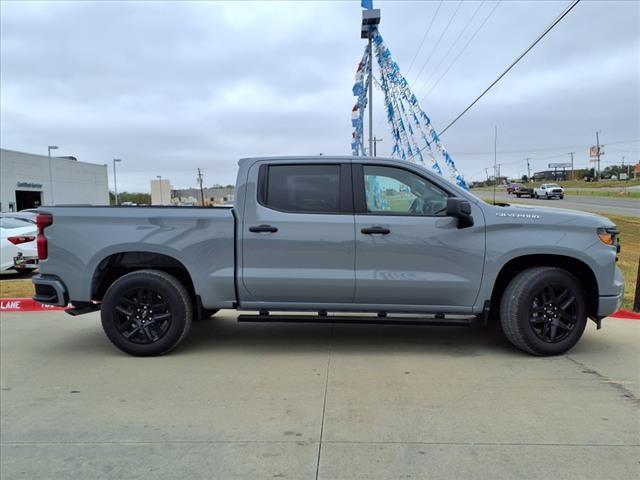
x=303, y=188
x=398, y=191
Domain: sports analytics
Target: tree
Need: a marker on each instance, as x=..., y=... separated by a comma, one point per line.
x=524, y=179
x=138, y=198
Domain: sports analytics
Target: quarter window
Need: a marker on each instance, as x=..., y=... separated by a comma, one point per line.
x=303, y=188
x=398, y=191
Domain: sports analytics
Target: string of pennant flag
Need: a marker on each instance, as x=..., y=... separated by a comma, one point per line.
x=414, y=137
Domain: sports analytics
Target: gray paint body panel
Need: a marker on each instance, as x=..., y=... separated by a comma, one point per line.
x=201, y=239
x=322, y=261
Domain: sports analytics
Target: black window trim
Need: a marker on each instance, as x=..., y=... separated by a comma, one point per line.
x=345, y=193
x=359, y=196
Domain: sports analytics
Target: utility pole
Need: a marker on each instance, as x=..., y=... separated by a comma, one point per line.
x=573, y=176
x=495, y=160
x=528, y=169
x=375, y=145
x=598, y=147
x=201, y=189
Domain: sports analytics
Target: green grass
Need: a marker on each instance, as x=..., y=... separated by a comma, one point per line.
x=592, y=189
x=603, y=193
x=629, y=254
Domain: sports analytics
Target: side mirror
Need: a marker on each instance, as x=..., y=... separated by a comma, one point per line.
x=460, y=209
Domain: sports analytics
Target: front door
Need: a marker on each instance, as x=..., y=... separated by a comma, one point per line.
x=298, y=234
x=407, y=250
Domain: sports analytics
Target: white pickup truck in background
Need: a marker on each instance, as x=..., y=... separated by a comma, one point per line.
x=548, y=191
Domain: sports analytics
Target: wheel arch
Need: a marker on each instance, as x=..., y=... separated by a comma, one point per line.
x=580, y=270
x=115, y=265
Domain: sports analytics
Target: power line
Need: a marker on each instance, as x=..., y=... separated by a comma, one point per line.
x=547, y=149
x=515, y=62
x=455, y=42
x=463, y=49
x=424, y=37
x=435, y=47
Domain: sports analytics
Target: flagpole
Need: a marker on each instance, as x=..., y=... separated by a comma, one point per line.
x=370, y=94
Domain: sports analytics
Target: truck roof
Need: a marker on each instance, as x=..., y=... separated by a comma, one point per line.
x=313, y=158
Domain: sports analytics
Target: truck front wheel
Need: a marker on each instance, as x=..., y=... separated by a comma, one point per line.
x=543, y=311
x=146, y=313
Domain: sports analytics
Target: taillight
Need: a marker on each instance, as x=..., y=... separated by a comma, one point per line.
x=18, y=239
x=43, y=220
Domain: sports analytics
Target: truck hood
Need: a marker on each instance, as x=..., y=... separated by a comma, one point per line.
x=522, y=214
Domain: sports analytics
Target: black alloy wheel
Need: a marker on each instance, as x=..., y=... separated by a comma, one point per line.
x=146, y=312
x=553, y=313
x=543, y=310
x=142, y=316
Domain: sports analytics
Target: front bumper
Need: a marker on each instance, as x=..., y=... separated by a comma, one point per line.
x=608, y=304
x=50, y=290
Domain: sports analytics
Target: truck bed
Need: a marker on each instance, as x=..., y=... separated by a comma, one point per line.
x=82, y=238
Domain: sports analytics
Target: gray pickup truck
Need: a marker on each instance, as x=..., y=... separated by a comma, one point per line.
x=377, y=236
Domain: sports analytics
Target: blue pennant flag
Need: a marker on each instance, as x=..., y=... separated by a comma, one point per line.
x=368, y=4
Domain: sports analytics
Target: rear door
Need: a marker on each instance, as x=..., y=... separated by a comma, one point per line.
x=407, y=250
x=298, y=233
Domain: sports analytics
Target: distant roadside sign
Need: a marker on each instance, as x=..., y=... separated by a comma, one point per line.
x=593, y=151
x=560, y=165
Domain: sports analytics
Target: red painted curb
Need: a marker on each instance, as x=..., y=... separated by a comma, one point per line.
x=25, y=305
x=29, y=305
x=626, y=314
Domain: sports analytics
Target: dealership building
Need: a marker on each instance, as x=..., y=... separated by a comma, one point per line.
x=28, y=180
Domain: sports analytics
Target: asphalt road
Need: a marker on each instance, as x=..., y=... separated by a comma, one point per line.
x=603, y=205
x=248, y=401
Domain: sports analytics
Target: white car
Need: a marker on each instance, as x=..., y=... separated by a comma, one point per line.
x=17, y=240
x=548, y=191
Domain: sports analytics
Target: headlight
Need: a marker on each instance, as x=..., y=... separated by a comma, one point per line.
x=609, y=236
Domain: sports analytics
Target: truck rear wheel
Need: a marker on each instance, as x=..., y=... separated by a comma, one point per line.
x=146, y=313
x=543, y=311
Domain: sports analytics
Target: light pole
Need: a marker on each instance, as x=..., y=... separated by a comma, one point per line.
x=115, y=178
x=159, y=177
x=49, y=148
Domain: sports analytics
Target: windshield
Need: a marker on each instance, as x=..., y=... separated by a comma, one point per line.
x=552, y=185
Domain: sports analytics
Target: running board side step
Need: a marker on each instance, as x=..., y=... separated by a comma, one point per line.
x=347, y=320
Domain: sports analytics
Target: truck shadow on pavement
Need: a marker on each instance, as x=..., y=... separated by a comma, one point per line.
x=225, y=333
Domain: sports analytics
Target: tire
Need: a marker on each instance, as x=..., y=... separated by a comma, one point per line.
x=561, y=197
x=535, y=195
x=528, y=322
x=518, y=195
x=547, y=197
x=164, y=307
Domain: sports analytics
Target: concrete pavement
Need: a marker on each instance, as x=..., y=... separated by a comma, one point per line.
x=315, y=401
x=602, y=205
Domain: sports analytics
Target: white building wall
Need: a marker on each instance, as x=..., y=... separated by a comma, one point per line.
x=160, y=192
x=73, y=182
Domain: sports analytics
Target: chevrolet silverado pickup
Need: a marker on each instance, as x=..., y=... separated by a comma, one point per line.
x=376, y=236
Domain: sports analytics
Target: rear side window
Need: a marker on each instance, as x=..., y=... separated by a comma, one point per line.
x=303, y=188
